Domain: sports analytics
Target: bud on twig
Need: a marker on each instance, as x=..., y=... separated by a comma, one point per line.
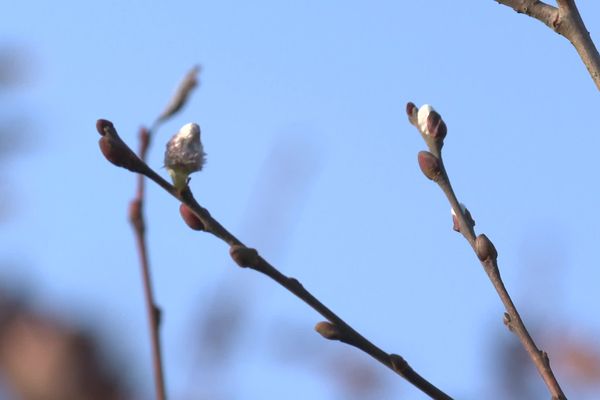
x=184, y=154
x=411, y=111
x=436, y=126
x=243, y=256
x=465, y=211
x=190, y=218
x=180, y=97
x=328, y=330
x=422, y=117
x=114, y=148
x=485, y=248
x=430, y=165
x=431, y=125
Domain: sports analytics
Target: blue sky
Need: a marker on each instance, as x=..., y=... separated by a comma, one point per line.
x=311, y=160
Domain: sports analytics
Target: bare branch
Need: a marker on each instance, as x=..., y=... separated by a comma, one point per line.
x=180, y=97
x=249, y=258
x=136, y=218
x=566, y=21
x=427, y=122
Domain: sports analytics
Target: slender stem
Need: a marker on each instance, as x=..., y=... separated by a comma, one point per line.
x=513, y=319
x=566, y=21
x=348, y=334
x=515, y=324
x=136, y=217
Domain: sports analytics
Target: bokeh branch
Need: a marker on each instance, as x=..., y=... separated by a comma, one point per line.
x=136, y=217
x=198, y=218
x=566, y=21
x=433, y=130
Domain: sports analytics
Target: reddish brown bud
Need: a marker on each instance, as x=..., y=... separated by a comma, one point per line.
x=243, y=256
x=328, y=330
x=411, y=109
x=430, y=165
x=103, y=126
x=190, y=218
x=436, y=126
x=399, y=364
x=485, y=248
x=467, y=214
x=115, y=150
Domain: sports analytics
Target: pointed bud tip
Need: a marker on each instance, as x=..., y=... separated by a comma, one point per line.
x=410, y=109
x=102, y=125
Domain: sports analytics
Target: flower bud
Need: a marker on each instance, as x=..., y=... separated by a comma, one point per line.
x=485, y=248
x=465, y=211
x=190, y=218
x=436, y=126
x=115, y=150
x=328, y=330
x=411, y=110
x=184, y=154
x=422, y=116
x=430, y=165
x=243, y=256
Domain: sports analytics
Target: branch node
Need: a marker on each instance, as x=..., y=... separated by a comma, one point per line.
x=328, y=330
x=244, y=256
x=485, y=249
x=508, y=321
x=467, y=214
x=399, y=364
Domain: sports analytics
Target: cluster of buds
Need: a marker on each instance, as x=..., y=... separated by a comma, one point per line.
x=430, y=124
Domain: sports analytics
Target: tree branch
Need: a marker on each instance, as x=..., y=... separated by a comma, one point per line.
x=433, y=130
x=136, y=218
x=566, y=21
x=118, y=153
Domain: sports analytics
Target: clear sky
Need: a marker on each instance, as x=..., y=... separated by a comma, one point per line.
x=311, y=160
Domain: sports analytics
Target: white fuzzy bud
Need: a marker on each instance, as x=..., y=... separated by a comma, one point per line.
x=422, y=115
x=184, y=154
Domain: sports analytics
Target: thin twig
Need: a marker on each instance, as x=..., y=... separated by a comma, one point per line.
x=136, y=217
x=566, y=21
x=432, y=165
x=117, y=152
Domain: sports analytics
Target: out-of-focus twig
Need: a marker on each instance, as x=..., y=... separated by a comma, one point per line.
x=433, y=130
x=118, y=153
x=136, y=217
x=566, y=21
